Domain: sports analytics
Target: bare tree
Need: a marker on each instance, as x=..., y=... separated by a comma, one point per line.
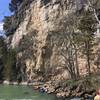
x=69, y=51
x=69, y=44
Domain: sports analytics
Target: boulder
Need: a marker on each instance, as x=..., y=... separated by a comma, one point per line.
x=51, y=90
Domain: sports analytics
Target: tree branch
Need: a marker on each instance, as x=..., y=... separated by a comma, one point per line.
x=95, y=14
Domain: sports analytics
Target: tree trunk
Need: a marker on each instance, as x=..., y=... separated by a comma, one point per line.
x=88, y=56
x=76, y=61
x=88, y=63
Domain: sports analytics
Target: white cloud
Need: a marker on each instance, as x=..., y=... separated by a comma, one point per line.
x=1, y=26
x=1, y=30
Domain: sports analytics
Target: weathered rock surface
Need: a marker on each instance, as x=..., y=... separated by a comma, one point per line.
x=37, y=42
x=37, y=39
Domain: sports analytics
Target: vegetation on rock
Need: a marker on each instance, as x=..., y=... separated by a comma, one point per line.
x=10, y=65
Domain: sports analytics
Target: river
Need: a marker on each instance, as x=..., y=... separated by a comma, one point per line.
x=12, y=92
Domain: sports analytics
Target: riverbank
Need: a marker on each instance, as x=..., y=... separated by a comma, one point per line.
x=83, y=87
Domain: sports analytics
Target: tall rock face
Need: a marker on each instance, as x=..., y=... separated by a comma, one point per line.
x=37, y=39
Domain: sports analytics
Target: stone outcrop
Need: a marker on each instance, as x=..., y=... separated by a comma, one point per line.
x=40, y=52
x=38, y=42
x=37, y=39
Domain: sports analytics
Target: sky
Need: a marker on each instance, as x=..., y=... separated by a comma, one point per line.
x=4, y=11
x=4, y=8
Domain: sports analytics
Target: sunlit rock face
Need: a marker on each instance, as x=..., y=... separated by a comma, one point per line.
x=42, y=15
x=37, y=41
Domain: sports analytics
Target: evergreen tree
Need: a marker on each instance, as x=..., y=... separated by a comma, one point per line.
x=2, y=56
x=10, y=65
x=87, y=26
x=7, y=24
x=13, y=6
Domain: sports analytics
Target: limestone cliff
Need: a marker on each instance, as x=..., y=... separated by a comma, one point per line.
x=37, y=39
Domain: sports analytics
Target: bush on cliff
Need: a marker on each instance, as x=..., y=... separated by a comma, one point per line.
x=10, y=65
x=2, y=56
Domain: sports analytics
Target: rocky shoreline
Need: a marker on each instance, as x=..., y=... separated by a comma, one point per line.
x=64, y=92
x=84, y=88
x=80, y=88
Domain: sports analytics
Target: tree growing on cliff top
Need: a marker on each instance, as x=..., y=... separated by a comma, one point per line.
x=7, y=23
x=13, y=6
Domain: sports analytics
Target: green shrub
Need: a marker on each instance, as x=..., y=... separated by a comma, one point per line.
x=10, y=65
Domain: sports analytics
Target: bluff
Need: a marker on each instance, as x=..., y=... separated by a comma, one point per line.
x=53, y=41
x=38, y=39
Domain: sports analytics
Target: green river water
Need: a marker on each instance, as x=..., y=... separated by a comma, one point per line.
x=11, y=92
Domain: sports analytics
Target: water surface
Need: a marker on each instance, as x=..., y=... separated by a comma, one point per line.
x=11, y=92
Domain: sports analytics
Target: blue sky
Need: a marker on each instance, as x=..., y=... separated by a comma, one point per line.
x=4, y=9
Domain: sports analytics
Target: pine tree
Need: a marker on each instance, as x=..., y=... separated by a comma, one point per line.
x=13, y=6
